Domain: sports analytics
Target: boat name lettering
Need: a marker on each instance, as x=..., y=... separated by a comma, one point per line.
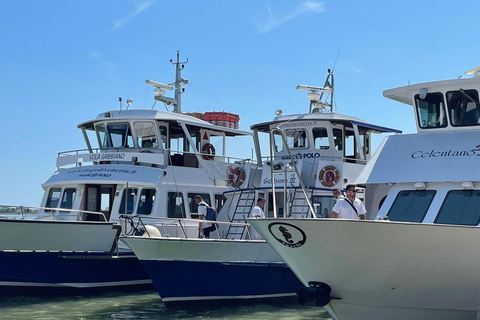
x=299, y=155
x=298, y=124
x=100, y=172
x=293, y=180
x=106, y=156
x=438, y=154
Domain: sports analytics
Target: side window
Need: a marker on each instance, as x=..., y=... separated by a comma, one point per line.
x=320, y=138
x=460, y=207
x=68, y=198
x=431, y=111
x=338, y=139
x=145, y=134
x=176, y=206
x=193, y=206
x=411, y=205
x=53, y=197
x=163, y=131
x=463, y=108
x=145, y=203
x=322, y=206
x=132, y=195
x=278, y=142
x=219, y=201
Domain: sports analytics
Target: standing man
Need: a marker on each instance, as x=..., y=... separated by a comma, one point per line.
x=257, y=212
x=337, y=194
x=204, y=227
x=349, y=207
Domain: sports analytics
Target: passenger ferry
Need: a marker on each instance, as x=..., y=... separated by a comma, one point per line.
x=148, y=163
x=419, y=258
x=323, y=150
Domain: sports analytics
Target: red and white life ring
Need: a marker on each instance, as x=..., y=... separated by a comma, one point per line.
x=329, y=176
x=208, y=151
x=236, y=177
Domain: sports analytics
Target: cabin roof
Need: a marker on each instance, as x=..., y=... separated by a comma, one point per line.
x=405, y=94
x=330, y=116
x=137, y=114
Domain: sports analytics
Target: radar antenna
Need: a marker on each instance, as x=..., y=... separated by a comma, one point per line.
x=315, y=95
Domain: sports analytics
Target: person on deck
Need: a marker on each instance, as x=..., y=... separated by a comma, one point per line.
x=350, y=207
x=204, y=227
x=257, y=212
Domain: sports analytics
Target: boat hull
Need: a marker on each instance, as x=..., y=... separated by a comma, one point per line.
x=211, y=270
x=34, y=272
x=380, y=270
x=59, y=235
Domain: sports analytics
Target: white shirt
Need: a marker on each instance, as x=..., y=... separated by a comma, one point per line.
x=257, y=212
x=345, y=210
x=202, y=211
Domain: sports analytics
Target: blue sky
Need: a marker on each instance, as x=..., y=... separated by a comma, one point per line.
x=64, y=62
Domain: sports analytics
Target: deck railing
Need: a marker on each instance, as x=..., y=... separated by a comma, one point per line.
x=39, y=213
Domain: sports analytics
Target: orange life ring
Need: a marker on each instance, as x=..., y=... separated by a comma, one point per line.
x=208, y=151
x=236, y=177
x=329, y=176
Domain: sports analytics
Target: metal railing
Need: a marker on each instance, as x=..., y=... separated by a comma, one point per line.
x=38, y=213
x=130, y=227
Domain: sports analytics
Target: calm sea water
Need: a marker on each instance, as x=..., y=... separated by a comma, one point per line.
x=144, y=305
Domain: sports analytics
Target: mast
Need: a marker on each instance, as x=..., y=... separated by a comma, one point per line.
x=179, y=81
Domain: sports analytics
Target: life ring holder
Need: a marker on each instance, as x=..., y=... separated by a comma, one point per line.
x=329, y=176
x=236, y=177
x=208, y=151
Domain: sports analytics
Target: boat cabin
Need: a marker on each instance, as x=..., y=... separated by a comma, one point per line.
x=430, y=176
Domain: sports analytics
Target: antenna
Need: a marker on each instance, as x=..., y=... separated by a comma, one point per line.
x=160, y=88
x=315, y=95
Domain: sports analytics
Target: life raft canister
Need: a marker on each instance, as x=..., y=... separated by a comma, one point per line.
x=208, y=151
x=236, y=177
x=329, y=176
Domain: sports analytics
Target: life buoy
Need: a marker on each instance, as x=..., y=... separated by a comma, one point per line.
x=208, y=151
x=236, y=177
x=329, y=176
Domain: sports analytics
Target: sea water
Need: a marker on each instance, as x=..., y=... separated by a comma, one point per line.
x=145, y=305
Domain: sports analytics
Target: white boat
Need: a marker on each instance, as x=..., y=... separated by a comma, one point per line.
x=148, y=163
x=419, y=258
x=323, y=150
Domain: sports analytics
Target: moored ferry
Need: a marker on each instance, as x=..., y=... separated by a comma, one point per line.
x=418, y=258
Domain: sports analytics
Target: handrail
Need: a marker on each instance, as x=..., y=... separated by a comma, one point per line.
x=177, y=222
x=51, y=210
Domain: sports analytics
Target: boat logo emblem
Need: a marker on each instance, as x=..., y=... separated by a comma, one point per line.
x=287, y=234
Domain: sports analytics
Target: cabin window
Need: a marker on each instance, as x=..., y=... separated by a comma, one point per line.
x=115, y=135
x=320, y=138
x=145, y=134
x=163, y=130
x=296, y=139
x=431, y=111
x=176, y=207
x=338, y=139
x=145, y=203
x=322, y=206
x=463, y=107
x=68, y=198
x=411, y=205
x=460, y=207
x=53, y=197
x=193, y=206
x=132, y=196
x=219, y=201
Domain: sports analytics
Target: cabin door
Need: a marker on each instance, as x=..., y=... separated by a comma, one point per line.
x=99, y=198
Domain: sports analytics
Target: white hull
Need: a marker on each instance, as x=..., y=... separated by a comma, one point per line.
x=386, y=270
x=205, y=250
x=58, y=235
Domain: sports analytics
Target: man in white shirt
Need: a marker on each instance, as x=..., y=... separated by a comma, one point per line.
x=349, y=207
x=257, y=212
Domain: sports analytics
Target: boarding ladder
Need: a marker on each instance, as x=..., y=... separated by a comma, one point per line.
x=298, y=206
x=246, y=200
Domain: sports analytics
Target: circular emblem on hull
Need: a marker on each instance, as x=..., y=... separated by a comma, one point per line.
x=287, y=234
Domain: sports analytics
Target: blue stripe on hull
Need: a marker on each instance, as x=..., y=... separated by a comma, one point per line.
x=34, y=271
x=191, y=280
